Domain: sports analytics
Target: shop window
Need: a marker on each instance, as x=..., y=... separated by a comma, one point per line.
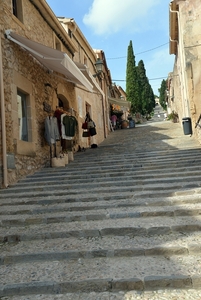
x=22, y=116
x=17, y=9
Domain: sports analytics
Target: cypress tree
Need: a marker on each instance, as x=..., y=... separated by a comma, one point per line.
x=162, y=97
x=132, y=83
x=147, y=95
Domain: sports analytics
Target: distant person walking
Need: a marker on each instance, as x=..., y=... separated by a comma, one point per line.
x=114, y=121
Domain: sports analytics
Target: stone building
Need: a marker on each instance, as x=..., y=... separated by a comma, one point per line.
x=85, y=58
x=43, y=68
x=184, y=83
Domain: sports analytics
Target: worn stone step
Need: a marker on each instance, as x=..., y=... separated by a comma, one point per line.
x=100, y=274
x=66, y=184
x=161, y=294
x=165, y=173
x=117, y=227
x=70, y=189
x=158, y=206
x=177, y=241
x=87, y=195
x=135, y=226
x=151, y=164
x=145, y=161
x=61, y=216
x=102, y=163
x=77, y=254
x=42, y=205
x=136, y=179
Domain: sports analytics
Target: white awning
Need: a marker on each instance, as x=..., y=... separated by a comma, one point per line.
x=85, y=70
x=52, y=59
x=120, y=102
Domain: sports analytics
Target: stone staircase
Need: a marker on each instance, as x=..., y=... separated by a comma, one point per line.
x=119, y=222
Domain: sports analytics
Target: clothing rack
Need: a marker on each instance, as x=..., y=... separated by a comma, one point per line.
x=69, y=111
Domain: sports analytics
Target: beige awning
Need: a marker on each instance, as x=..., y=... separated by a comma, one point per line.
x=52, y=59
x=120, y=102
x=85, y=70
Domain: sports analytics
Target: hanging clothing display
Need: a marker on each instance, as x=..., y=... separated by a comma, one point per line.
x=89, y=125
x=63, y=132
x=51, y=130
x=70, y=124
x=58, y=113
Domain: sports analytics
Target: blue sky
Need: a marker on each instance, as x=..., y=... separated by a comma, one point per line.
x=110, y=25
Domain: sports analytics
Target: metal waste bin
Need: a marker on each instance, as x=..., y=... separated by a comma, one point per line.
x=187, y=126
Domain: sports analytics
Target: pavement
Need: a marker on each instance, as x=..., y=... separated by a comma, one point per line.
x=121, y=221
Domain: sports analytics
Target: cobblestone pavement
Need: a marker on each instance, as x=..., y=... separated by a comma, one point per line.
x=119, y=222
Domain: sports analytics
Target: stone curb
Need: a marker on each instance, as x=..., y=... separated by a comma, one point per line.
x=34, y=219
x=122, y=231
x=64, y=190
x=99, y=285
x=71, y=254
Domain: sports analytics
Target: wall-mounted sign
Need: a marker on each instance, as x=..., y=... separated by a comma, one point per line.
x=47, y=107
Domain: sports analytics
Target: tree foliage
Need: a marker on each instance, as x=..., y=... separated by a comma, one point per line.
x=162, y=92
x=138, y=89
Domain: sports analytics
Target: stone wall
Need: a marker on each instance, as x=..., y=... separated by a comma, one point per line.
x=190, y=23
x=22, y=71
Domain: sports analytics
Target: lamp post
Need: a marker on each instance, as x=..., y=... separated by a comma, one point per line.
x=99, y=67
x=99, y=70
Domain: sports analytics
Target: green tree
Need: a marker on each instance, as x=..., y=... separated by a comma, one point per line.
x=147, y=95
x=132, y=83
x=162, y=92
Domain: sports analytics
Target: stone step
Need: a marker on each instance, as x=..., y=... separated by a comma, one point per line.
x=100, y=228
x=101, y=274
x=87, y=195
x=119, y=219
x=128, y=181
x=164, y=178
x=162, y=294
x=99, y=187
x=55, y=215
x=175, y=243
x=113, y=161
x=155, y=174
x=115, y=199
x=135, y=164
x=149, y=159
x=99, y=253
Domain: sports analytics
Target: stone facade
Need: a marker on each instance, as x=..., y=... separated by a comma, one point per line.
x=94, y=103
x=184, y=86
x=22, y=73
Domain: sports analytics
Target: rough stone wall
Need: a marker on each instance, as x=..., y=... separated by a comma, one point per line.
x=190, y=21
x=93, y=100
x=20, y=67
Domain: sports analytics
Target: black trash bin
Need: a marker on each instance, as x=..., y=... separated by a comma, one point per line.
x=187, y=126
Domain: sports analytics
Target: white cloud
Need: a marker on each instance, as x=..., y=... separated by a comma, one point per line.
x=158, y=66
x=160, y=62
x=111, y=16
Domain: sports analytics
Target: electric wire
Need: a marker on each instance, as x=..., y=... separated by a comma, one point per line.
x=140, y=52
x=148, y=78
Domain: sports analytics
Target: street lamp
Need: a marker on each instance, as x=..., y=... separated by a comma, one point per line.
x=99, y=67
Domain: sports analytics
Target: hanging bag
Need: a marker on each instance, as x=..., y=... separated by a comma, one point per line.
x=84, y=125
x=91, y=124
x=85, y=133
x=92, y=131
